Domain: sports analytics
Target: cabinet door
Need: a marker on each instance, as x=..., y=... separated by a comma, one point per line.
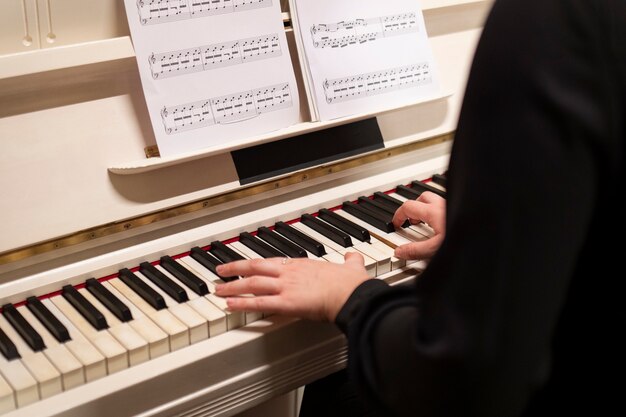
x=64, y=22
x=18, y=26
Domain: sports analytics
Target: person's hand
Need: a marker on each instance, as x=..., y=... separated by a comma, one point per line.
x=430, y=209
x=301, y=287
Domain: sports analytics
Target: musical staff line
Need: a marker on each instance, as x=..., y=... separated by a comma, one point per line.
x=232, y=108
x=379, y=82
x=360, y=31
x=203, y=58
x=162, y=11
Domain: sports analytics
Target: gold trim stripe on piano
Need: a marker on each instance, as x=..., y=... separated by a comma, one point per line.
x=300, y=177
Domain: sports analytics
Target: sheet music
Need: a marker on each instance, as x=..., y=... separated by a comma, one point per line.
x=214, y=72
x=364, y=56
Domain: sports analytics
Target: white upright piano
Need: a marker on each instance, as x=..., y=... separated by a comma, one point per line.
x=84, y=194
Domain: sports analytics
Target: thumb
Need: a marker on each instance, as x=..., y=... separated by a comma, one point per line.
x=418, y=250
x=354, y=259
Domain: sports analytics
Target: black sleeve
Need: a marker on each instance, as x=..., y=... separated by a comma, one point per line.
x=539, y=147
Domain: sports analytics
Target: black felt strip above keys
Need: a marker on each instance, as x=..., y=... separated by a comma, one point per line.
x=109, y=300
x=259, y=246
x=7, y=347
x=85, y=308
x=380, y=222
x=418, y=185
x=338, y=236
x=344, y=224
x=301, y=239
x=49, y=320
x=149, y=295
x=224, y=253
x=279, y=242
x=19, y=323
x=209, y=262
x=163, y=282
x=184, y=275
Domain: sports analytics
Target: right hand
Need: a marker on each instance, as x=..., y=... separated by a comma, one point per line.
x=430, y=209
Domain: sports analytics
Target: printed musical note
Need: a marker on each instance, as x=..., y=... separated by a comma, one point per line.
x=162, y=11
x=360, y=31
x=171, y=64
x=379, y=82
x=232, y=108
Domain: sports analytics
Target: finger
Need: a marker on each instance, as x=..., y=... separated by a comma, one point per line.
x=431, y=198
x=269, y=267
x=419, y=250
x=251, y=285
x=265, y=304
x=416, y=210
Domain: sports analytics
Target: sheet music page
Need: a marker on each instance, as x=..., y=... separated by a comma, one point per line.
x=364, y=56
x=213, y=72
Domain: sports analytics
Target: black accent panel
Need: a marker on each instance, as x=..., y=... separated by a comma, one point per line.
x=280, y=157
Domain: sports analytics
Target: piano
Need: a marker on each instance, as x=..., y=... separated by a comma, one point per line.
x=106, y=248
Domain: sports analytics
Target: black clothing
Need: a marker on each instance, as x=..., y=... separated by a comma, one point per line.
x=519, y=311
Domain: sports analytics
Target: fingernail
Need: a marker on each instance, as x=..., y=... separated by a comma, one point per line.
x=218, y=287
x=219, y=268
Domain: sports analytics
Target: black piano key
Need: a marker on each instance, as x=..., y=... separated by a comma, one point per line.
x=344, y=224
x=301, y=239
x=388, y=200
x=338, y=236
x=85, y=308
x=152, y=297
x=109, y=300
x=164, y=282
x=224, y=253
x=380, y=208
x=408, y=192
x=209, y=262
x=279, y=242
x=440, y=179
x=184, y=275
x=7, y=347
x=368, y=216
x=418, y=185
x=30, y=335
x=49, y=320
x=259, y=246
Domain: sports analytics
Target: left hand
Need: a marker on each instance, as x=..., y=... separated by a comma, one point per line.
x=301, y=287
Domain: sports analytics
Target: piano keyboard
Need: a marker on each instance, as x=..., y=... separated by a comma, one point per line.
x=81, y=333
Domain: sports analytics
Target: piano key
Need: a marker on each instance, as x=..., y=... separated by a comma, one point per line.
x=215, y=318
x=140, y=288
x=21, y=381
x=259, y=246
x=392, y=237
x=223, y=252
x=25, y=330
x=113, y=304
x=183, y=275
x=158, y=340
x=198, y=327
x=84, y=307
x=93, y=362
x=7, y=347
x=114, y=353
x=407, y=192
x=376, y=204
x=7, y=398
x=70, y=368
x=340, y=223
x=47, y=377
x=382, y=223
x=440, y=180
x=245, y=250
x=388, y=200
x=422, y=186
x=51, y=323
x=167, y=286
x=177, y=332
x=300, y=239
x=208, y=261
x=326, y=230
x=329, y=244
x=279, y=242
x=135, y=345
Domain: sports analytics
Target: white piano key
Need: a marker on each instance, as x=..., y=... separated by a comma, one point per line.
x=93, y=361
x=7, y=398
x=47, y=376
x=198, y=327
x=215, y=318
x=115, y=354
x=389, y=251
x=157, y=339
x=177, y=332
x=234, y=319
x=244, y=250
x=328, y=244
x=393, y=237
x=382, y=261
x=21, y=381
x=135, y=345
x=71, y=369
